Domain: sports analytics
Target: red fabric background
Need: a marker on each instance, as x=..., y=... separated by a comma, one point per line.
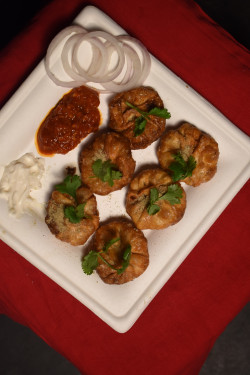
x=177, y=330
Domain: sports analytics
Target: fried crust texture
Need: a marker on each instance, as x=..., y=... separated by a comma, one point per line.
x=128, y=235
x=188, y=140
x=108, y=146
x=74, y=233
x=123, y=117
x=138, y=199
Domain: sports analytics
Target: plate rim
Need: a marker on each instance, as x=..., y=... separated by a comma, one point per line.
x=125, y=322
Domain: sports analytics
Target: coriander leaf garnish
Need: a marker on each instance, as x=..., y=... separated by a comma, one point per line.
x=140, y=124
x=153, y=209
x=97, y=167
x=160, y=112
x=180, y=168
x=90, y=261
x=141, y=121
x=110, y=243
x=106, y=171
x=173, y=195
x=125, y=260
x=154, y=197
x=75, y=214
x=69, y=185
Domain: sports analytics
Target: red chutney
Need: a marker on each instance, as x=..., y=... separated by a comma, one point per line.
x=74, y=117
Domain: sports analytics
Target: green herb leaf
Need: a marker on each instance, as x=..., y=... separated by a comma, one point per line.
x=110, y=243
x=180, y=168
x=154, y=195
x=106, y=171
x=70, y=213
x=97, y=167
x=80, y=210
x=143, y=113
x=126, y=259
x=75, y=214
x=69, y=185
x=191, y=164
x=160, y=112
x=90, y=262
x=115, y=175
x=173, y=194
x=141, y=122
x=152, y=207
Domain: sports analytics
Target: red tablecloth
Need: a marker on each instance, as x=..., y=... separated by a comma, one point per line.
x=178, y=329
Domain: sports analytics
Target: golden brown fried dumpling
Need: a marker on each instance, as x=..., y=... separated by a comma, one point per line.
x=146, y=201
x=127, y=235
x=188, y=141
x=107, y=164
x=74, y=233
x=123, y=117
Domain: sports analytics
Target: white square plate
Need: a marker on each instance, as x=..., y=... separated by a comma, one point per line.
x=119, y=306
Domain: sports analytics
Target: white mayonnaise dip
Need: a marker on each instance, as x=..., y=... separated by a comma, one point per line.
x=19, y=178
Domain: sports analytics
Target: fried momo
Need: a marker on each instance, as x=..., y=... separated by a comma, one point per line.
x=188, y=140
x=107, y=164
x=74, y=233
x=127, y=235
x=123, y=117
x=138, y=200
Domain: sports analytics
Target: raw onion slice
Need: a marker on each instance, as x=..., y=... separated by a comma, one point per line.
x=117, y=63
x=96, y=63
x=96, y=67
x=132, y=73
x=101, y=77
x=140, y=70
x=56, y=41
x=146, y=60
x=67, y=65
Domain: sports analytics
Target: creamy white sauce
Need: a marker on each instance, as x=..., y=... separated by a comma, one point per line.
x=19, y=178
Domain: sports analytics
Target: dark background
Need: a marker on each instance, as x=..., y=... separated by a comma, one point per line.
x=232, y=15
x=21, y=351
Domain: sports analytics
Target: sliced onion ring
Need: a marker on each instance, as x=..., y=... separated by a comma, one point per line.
x=118, y=48
x=70, y=43
x=130, y=69
x=146, y=60
x=56, y=41
x=132, y=74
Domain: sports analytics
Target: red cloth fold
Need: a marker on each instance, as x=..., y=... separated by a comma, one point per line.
x=179, y=327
